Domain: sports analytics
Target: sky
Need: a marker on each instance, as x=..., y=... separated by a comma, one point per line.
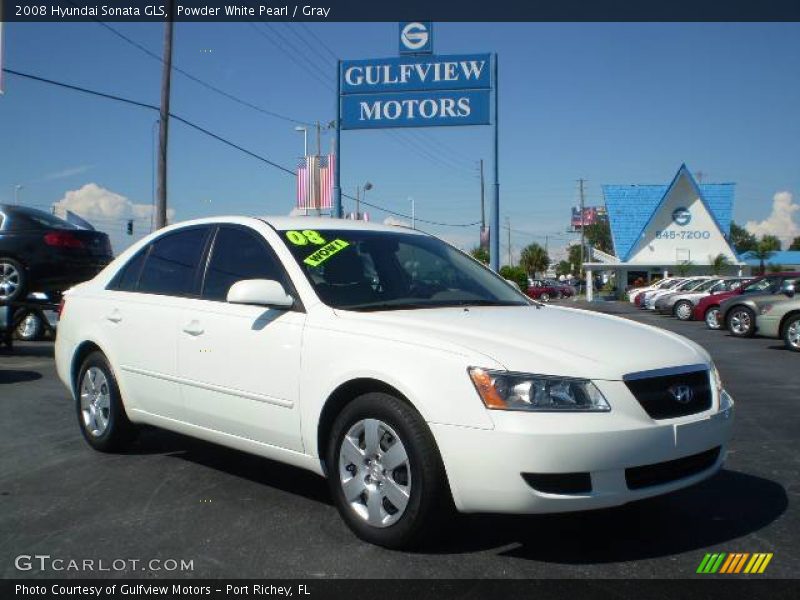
x=610, y=103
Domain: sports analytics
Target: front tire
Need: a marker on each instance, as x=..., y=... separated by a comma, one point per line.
x=385, y=473
x=30, y=329
x=101, y=415
x=712, y=318
x=741, y=322
x=545, y=297
x=791, y=334
x=683, y=310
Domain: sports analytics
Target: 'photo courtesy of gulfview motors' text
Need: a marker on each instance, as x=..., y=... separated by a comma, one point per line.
x=298, y=299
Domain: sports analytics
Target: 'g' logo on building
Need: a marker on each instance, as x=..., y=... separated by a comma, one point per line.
x=681, y=216
x=415, y=37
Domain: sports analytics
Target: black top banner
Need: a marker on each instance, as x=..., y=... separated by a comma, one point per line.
x=371, y=10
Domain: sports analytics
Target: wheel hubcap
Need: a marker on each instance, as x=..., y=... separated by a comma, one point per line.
x=793, y=334
x=9, y=280
x=28, y=326
x=374, y=472
x=684, y=311
x=740, y=322
x=95, y=401
x=711, y=319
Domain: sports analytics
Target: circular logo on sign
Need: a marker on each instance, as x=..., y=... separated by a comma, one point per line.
x=681, y=216
x=414, y=36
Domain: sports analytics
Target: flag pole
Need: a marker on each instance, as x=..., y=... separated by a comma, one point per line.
x=337, y=186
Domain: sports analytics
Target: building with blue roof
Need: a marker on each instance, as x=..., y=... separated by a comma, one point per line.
x=655, y=229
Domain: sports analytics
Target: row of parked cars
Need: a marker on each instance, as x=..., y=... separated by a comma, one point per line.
x=745, y=306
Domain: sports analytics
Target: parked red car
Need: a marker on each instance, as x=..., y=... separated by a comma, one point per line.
x=708, y=308
x=546, y=289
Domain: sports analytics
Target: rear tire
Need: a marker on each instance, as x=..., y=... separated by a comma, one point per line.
x=711, y=318
x=13, y=280
x=791, y=333
x=545, y=297
x=741, y=322
x=683, y=310
x=101, y=415
x=385, y=472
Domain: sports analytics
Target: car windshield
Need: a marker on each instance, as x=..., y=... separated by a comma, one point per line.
x=378, y=270
x=689, y=285
x=707, y=285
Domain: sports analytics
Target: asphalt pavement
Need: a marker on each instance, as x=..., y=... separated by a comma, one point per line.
x=236, y=515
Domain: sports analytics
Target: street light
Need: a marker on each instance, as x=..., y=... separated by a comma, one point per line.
x=17, y=188
x=366, y=186
x=305, y=138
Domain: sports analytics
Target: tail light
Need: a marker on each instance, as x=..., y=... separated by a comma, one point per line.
x=61, y=306
x=62, y=239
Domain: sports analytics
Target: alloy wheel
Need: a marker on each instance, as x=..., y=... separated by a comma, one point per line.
x=95, y=401
x=29, y=326
x=375, y=472
x=793, y=335
x=712, y=318
x=740, y=322
x=683, y=311
x=9, y=280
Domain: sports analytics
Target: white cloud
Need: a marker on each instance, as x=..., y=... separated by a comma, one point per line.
x=96, y=202
x=69, y=172
x=781, y=221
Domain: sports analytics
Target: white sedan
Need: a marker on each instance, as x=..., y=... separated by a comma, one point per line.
x=404, y=371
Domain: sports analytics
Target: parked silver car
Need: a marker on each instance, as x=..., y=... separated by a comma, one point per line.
x=681, y=304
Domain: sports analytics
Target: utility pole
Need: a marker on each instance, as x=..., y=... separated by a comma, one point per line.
x=508, y=229
x=163, y=127
x=583, y=237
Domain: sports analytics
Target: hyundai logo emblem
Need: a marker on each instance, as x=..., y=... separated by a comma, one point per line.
x=682, y=393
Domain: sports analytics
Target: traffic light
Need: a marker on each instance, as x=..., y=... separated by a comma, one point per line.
x=130, y=227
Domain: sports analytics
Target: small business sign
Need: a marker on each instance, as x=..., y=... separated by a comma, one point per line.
x=416, y=91
x=416, y=37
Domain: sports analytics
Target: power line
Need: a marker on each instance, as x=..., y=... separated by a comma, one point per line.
x=197, y=80
x=316, y=37
x=214, y=136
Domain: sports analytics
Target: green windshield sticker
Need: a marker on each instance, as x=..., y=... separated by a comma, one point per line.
x=324, y=253
x=302, y=238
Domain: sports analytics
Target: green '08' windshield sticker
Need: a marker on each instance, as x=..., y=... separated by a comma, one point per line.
x=324, y=253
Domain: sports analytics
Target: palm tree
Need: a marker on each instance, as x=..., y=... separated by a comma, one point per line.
x=763, y=252
x=719, y=263
x=481, y=254
x=534, y=259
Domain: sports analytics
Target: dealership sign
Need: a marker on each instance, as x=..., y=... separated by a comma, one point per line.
x=416, y=37
x=416, y=91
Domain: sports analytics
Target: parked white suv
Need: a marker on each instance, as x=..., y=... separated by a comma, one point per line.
x=399, y=367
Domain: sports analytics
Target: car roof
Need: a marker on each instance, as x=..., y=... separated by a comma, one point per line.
x=283, y=223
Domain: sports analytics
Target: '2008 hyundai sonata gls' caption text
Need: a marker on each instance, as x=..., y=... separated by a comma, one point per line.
x=407, y=373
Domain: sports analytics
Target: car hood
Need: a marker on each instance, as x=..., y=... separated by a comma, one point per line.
x=549, y=340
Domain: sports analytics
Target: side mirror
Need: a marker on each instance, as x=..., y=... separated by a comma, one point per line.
x=788, y=289
x=260, y=292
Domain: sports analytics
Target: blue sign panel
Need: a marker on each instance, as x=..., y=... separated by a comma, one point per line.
x=410, y=73
x=416, y=37
x=415, y=109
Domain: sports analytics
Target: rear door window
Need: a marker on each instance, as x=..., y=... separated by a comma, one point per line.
x=128, y=277
x=173, y=262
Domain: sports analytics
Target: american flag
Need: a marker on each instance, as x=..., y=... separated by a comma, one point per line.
x=315, y=182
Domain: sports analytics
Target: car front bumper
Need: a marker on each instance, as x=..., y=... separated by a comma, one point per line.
x=485, y=467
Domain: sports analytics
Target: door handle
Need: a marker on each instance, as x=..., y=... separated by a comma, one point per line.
x=193, y=328
x=114, y=316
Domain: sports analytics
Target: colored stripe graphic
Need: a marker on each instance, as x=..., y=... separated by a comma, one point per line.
x=734, y=562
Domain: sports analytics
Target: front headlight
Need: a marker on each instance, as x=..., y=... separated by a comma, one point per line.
x=503, y=390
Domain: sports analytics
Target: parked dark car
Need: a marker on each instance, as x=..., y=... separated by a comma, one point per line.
x=41, y=253
x=708, y=308
x=547, y=289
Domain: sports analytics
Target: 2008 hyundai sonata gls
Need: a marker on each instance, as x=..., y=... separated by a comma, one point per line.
x=394, y=364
